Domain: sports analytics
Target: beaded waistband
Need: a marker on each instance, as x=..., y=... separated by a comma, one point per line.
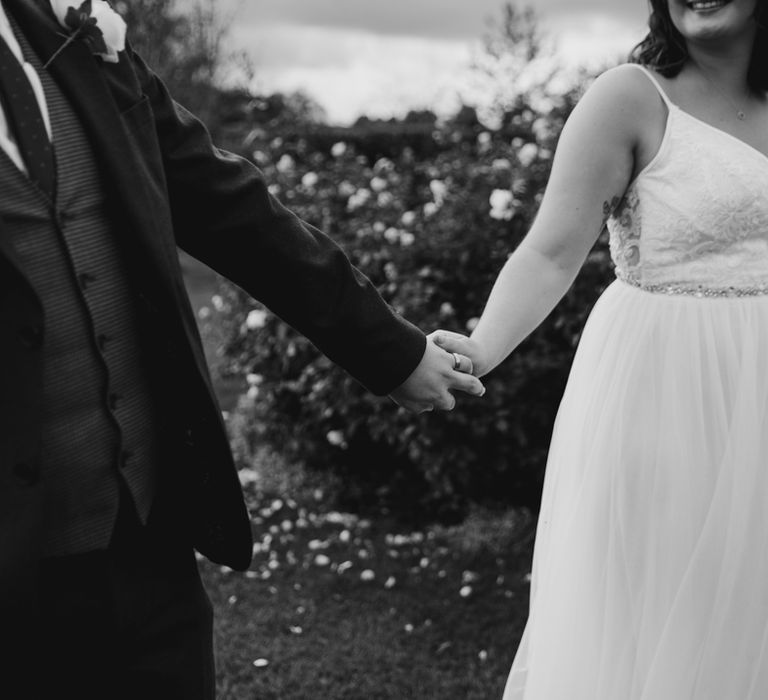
x=699, y=290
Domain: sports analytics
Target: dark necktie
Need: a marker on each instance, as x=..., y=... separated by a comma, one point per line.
x=26, y=120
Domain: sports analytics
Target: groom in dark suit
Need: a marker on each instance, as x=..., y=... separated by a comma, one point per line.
x=114, y=462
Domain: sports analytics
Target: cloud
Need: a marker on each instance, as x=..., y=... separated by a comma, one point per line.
x=383, y=58
x=354, y=72
x=426, y=18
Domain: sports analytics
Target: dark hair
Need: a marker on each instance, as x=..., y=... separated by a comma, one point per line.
x=664, y=48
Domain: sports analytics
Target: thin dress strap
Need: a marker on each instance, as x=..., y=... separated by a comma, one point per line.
x=649, y=74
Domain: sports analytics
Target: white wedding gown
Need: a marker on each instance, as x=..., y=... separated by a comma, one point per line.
x=650, y=571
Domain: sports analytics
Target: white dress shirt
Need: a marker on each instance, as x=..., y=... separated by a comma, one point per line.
x=7, y=140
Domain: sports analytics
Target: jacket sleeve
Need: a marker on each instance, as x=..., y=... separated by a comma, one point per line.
x=224, y=215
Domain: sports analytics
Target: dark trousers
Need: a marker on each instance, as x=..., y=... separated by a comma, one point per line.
x=130, y=623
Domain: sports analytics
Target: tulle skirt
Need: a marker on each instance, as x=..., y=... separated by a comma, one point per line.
x=650, y=571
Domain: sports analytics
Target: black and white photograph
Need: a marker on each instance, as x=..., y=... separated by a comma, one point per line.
x=384, y=351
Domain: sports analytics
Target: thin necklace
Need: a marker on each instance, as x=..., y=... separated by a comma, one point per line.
x=740, y=113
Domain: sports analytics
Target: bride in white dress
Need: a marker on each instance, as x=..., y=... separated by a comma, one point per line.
x=650, y=572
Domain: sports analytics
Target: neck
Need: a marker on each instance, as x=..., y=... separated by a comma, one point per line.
x=727, y=64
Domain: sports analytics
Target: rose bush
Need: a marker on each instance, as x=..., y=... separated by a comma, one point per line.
x=431, y=224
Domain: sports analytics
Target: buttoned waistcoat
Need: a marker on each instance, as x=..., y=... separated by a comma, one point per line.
x=172, y=187
x=99, y=423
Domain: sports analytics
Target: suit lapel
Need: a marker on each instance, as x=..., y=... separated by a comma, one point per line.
x=80, y=77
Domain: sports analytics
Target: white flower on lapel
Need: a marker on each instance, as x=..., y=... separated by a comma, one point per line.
x=93, y=22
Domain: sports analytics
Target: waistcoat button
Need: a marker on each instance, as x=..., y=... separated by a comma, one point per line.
x=85, y=279
x=31, y=337
x=26, y=473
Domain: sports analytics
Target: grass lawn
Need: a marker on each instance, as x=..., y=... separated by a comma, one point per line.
x=336, y=606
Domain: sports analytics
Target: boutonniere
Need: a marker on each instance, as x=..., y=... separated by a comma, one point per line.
x=93, y=22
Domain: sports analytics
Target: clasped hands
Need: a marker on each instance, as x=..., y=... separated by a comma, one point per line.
x=449, y=364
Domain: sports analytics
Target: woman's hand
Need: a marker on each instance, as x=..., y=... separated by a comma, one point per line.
x=462, y=346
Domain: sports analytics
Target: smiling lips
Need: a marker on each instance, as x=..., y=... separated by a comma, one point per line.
x=707, y=5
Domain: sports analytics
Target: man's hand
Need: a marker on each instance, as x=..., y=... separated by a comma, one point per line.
x=431, y=383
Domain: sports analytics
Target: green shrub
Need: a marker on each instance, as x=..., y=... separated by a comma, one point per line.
x=422, y=226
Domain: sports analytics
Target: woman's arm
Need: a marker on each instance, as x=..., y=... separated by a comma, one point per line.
x=594, y=163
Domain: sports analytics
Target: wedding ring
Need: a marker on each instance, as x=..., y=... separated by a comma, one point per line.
x=456, y=361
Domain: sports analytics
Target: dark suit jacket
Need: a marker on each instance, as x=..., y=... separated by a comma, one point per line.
x=170, y=186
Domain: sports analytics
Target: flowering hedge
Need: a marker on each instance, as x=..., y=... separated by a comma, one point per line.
x=431, y=226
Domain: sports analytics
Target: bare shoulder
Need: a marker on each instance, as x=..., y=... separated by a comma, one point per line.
x=622, y=110
x=624, y=93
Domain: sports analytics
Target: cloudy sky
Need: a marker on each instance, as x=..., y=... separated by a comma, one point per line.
x=383, y=57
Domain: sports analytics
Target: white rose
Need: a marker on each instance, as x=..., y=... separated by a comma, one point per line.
x=110, y=23
x=338, y=149
x=335, y=438
x=383, y=165
x=358, y=199
x=285, y=164
x=501, y=199
x=541, y=129
x=501, y=204
x=260, y=157
x=378, y=184
x=439, y=190
x=346, y=188
x=310, y=180
x=527, y=154
x=256, y=319
x=392, y=235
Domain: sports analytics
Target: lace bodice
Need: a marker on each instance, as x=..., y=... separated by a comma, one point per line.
x=695, y=220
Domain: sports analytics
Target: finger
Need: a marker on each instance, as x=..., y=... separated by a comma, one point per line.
x=462, y=363
x=445, y=402
x=448, y=340
x=466, y=383
x=453, y=343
